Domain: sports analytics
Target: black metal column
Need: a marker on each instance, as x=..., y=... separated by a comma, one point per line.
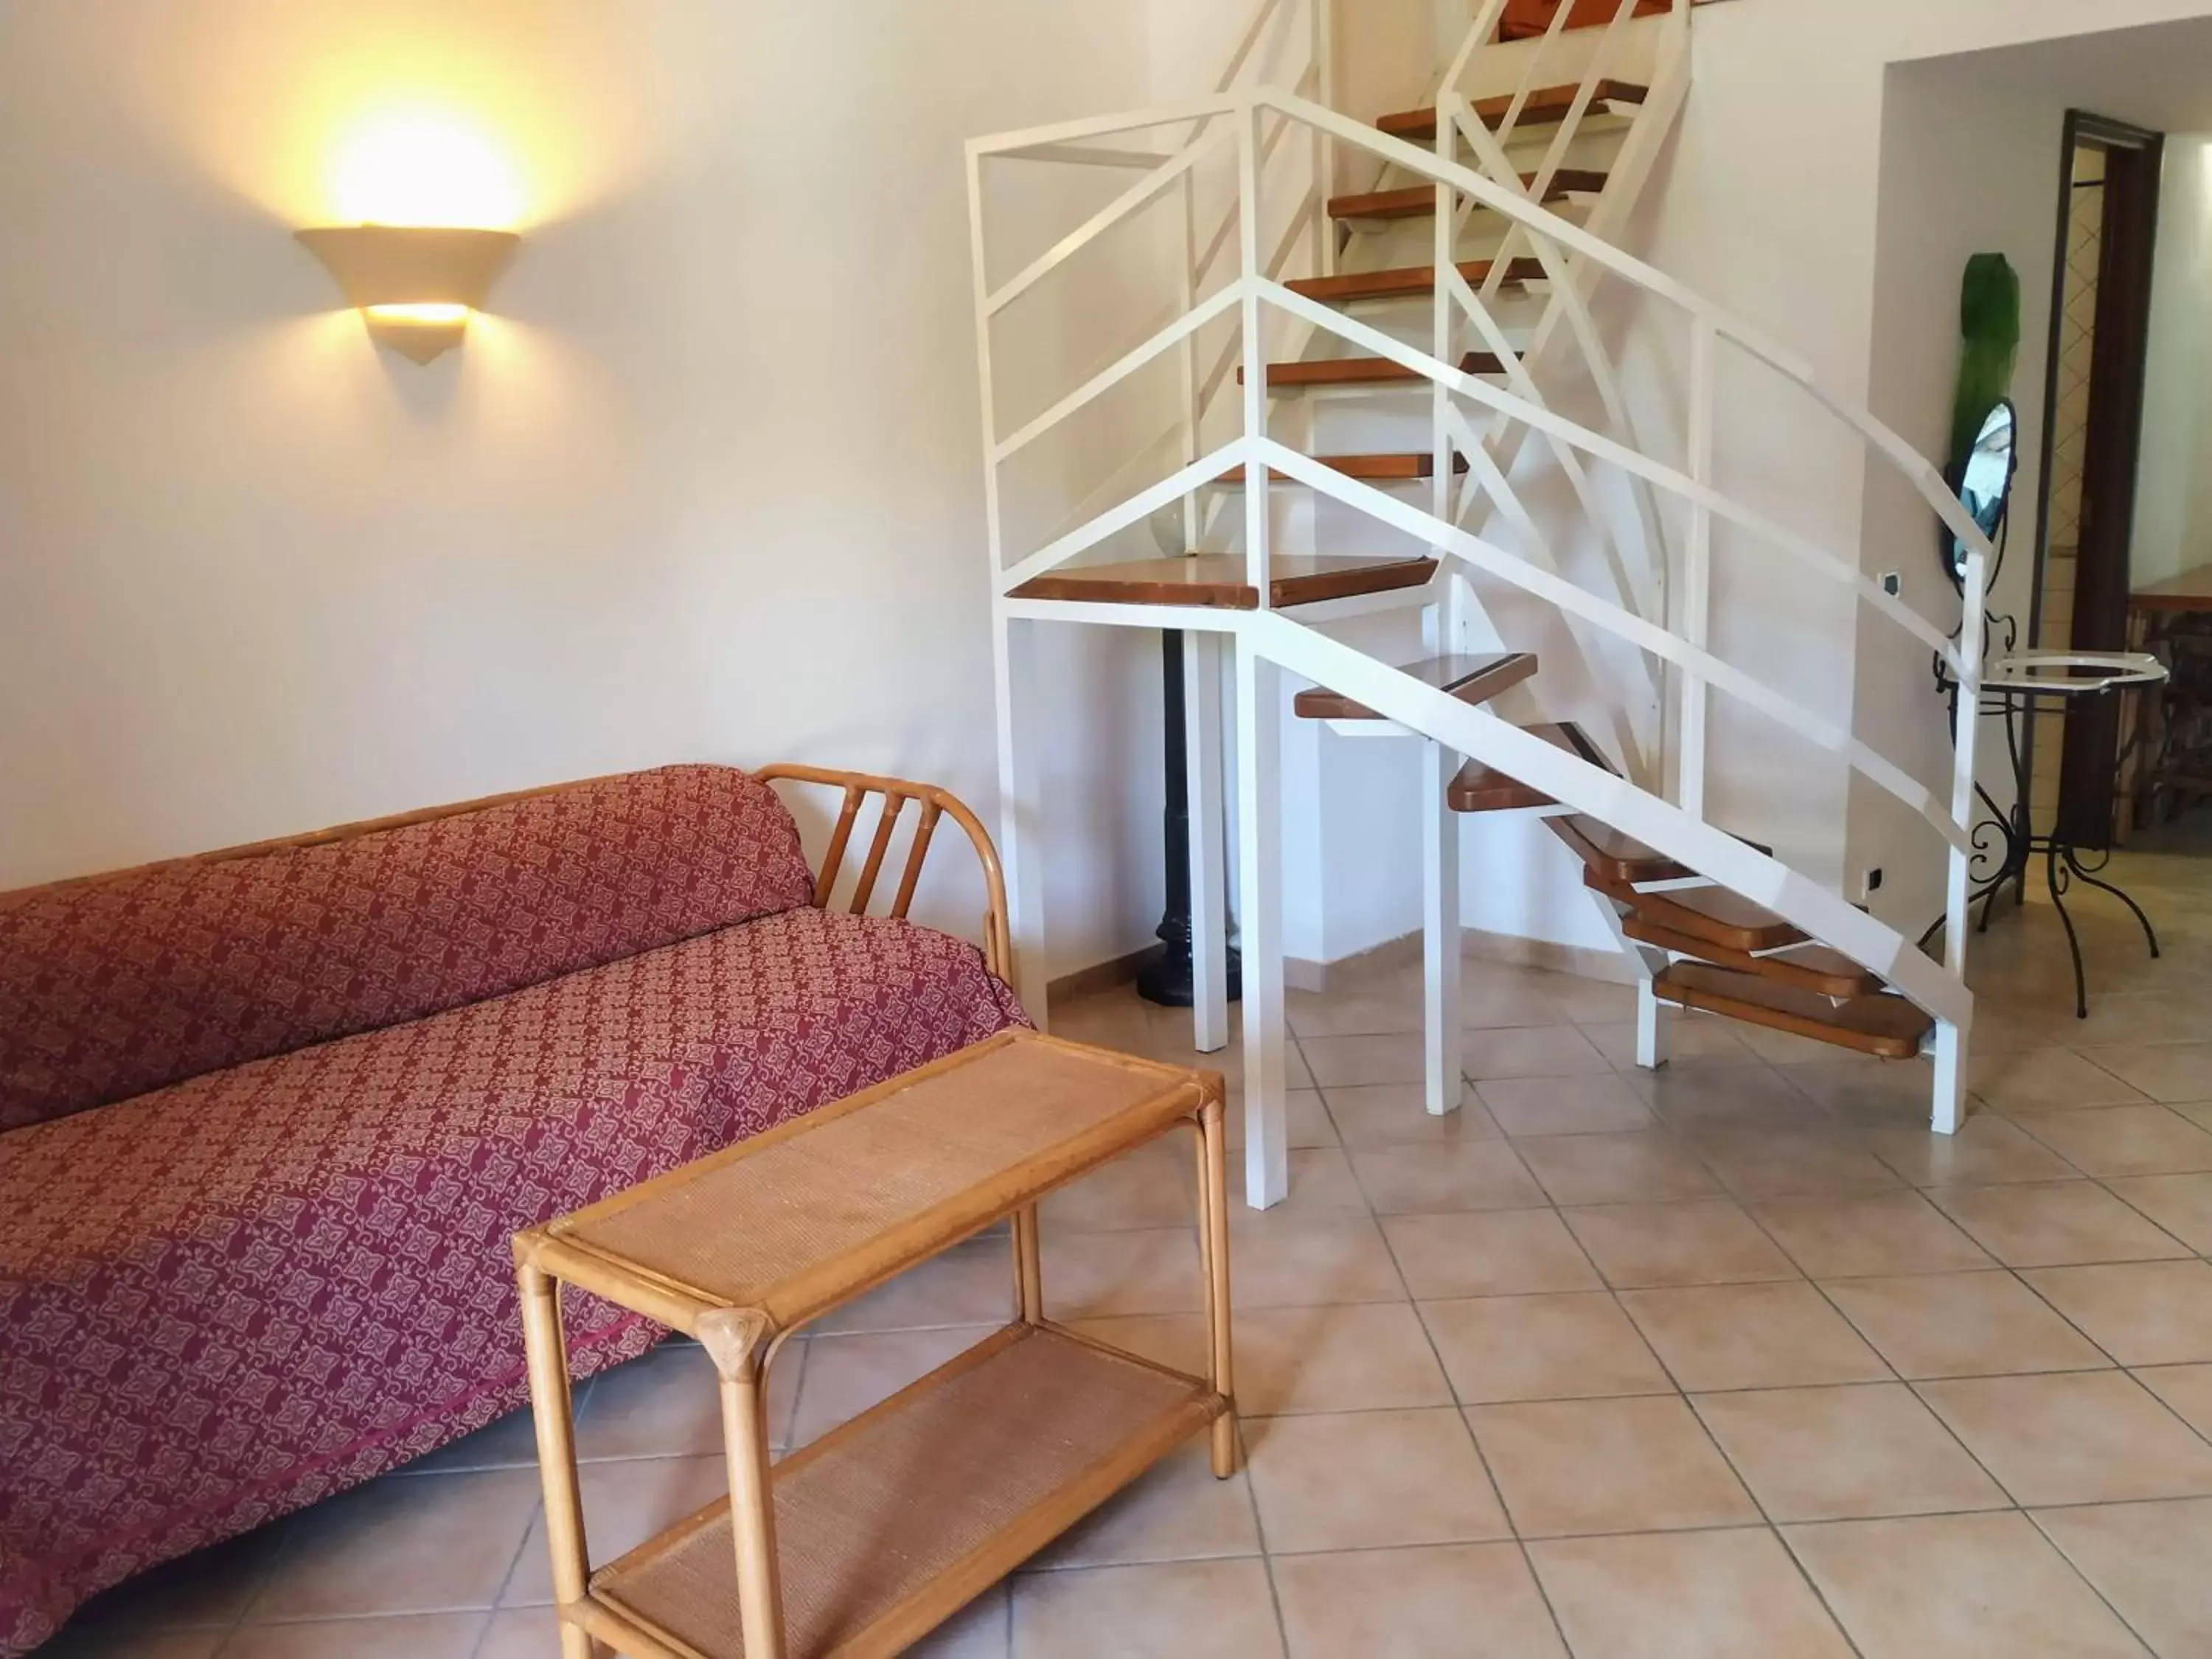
x=1166, y=975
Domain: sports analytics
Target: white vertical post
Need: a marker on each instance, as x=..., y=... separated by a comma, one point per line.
x=1256, y=503
x=1441, y=248
x=1949, y=1110
x=1697, y=567
x=1021, y=809
x=1655, y=1037
x=1188, y=352
x=1442, y=1068
x=1260, y=853
x=1209, y=895
x=1324, y=161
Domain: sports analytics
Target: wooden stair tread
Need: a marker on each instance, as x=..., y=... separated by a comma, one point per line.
x=1888, y=1026
x=1366, y=371
x=1216, y=580
x=1546, y=106
x=1420, y=201
x=1471, y=679
x=1398, y=467
x=1811, y=968
x=1713, y=914
x=1529, y=20
x=1481, y=789
x=1404, y=280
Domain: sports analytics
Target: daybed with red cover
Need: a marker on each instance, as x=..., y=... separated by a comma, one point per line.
x=268, y=1121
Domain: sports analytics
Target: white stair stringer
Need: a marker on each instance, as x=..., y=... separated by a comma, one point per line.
x=1480, y=735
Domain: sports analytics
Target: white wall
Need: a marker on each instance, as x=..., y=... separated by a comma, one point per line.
x=706, y=485
x=2173, y=497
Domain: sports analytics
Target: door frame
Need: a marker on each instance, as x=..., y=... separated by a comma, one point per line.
x=2134, y=160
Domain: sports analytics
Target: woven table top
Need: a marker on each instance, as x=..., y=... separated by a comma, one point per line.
x=796, y=1221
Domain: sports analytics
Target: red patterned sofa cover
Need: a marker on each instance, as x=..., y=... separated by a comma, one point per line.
x=270, y=1123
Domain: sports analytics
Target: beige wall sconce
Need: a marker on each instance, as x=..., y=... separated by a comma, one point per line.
x=415, y=286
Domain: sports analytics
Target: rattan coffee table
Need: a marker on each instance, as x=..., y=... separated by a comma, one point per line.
x=866, y=1540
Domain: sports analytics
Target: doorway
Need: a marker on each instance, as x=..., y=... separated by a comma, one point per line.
x=2092, y=442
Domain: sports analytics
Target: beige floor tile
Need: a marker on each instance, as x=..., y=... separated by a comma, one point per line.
x=1397, y=1114
x=1498, y=1253
x=1177, y=1341
x=2148, y=1561
x=1751, y=1336
x=419, y=1636
x=972, y=1285
x=210, y=1586
x=1977, y=1324
x=1701, y=1242
x=1306, y=1119
x=2200, y=1115
x=1638, y=1168
x=1565, y=1105
x=2168, y=1071
x=1371, y=1479
x=1155, y=1186
x=79, y=1641
x=667, y=1404
x=1958, y=1587
x=1846, y=1454
x=1988, y=1151
x=1456, y=1602
x=1572, y=1468
x=1791, y=1162
x=2124, y=1140
x=1176, y=1511
x=1322, y=1183
x=2057, y=1226
x=846, y=1375
x=1286, y=1259
x=1786, y=1048
x=1492, y=994
x=2148, y=1313
x=1689, y=1094
x=521, y=1633
x=1861, y=1237
x=1498, y=1349
x=1589, y=1001
x=1686, y=1596
x=624, y=1504
x=2082, y=1437
x=2182, y=1204
x=1478, y=1175
x=417, y=1544
x=1096, y=1275
x=1384, y=1011
x=1897, y=1096
x=1531, y=1051
x=982, y=1630
x=1374, y=1356
x=1175, y=1610
x=1691, y=1041
x=2186, y=1388
x=1337, y=1062
x=2133, y=1020
x=2046, y=1080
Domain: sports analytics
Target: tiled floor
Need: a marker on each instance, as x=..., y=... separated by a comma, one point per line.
x=1736, y=1362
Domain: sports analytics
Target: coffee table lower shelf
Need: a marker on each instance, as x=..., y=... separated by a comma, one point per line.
x=888, y=1526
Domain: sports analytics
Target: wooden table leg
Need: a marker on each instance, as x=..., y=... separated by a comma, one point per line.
x=546, y=1352
x=737, y=1342
x=1029, y=1267
x=1213, y=1249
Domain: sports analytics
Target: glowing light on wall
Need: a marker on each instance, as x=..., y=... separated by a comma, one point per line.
x=417, y=165
x=431, y=198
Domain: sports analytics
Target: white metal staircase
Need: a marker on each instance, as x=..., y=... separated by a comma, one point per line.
x=1278, y=229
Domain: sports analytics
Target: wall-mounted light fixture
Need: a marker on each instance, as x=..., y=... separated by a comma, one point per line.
x=413, y=285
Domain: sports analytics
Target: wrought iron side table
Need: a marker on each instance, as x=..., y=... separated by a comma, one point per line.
x=2012, y=687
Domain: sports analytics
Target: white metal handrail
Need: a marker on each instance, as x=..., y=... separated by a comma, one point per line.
x=1254, y=294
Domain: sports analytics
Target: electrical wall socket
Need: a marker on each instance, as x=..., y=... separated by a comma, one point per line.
x=1893, y=583
x=1870, y=882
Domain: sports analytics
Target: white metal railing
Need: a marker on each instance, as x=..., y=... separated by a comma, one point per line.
x=1679, y=827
